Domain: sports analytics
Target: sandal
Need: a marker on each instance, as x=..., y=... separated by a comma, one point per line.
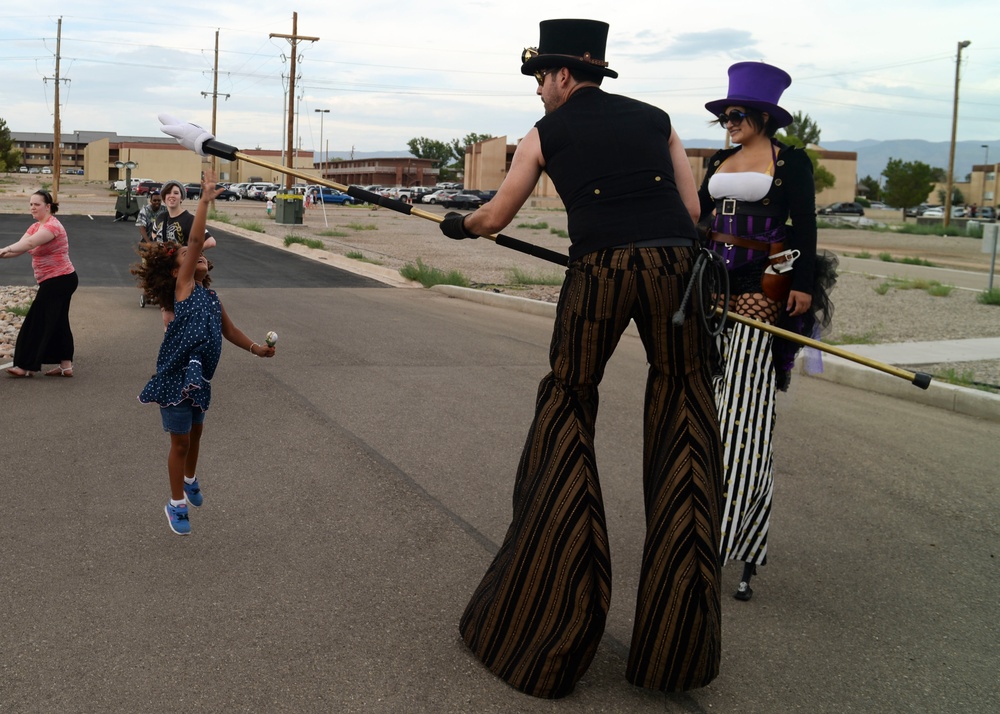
x=18, y=375
x=60, y=372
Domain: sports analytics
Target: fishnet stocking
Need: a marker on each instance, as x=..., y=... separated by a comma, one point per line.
x=755, y=305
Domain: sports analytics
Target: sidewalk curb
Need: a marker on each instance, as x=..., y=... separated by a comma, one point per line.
x=962, y=400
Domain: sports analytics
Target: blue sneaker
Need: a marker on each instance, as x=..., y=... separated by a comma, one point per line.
x=177, y=517
x=192, y=491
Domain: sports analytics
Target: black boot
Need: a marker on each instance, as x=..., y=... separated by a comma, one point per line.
x=743, y=592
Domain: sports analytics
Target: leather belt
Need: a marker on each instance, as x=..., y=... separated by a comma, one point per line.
x=734, y=207
x=759, y=245
x=665, y=243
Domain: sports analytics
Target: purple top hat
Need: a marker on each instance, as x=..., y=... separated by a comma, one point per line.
x=757, y=85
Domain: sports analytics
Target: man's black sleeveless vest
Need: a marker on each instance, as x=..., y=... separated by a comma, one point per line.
x=609, y=159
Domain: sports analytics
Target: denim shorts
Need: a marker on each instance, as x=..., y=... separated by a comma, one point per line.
x=177, y=419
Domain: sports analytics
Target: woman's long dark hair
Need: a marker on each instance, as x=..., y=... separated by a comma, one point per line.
x=47, y=197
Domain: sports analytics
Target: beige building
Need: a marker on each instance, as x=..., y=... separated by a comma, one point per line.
x=156, y=158
x=405, y=171
x=487, y=163
x=983, y=188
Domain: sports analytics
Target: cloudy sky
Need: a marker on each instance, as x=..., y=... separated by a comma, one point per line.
x=390, y=71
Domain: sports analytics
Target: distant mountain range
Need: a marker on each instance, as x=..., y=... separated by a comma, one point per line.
x=872, y=155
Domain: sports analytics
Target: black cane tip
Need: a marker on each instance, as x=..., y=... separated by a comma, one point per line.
x=922, y=380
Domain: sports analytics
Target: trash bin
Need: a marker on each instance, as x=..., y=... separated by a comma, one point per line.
x=289, y=209
x=127, y=207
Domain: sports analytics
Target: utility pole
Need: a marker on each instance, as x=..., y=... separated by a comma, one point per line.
x=57, y=129
x=293, y=40
x=215, y=93
x=215, y=100
x=321, y=112
x=946, y=221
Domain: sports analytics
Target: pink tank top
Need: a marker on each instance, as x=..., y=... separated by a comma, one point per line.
x=50, y=260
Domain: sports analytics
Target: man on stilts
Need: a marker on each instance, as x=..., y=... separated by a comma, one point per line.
x=539, y=613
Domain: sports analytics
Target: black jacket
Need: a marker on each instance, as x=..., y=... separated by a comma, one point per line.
x=792, y=194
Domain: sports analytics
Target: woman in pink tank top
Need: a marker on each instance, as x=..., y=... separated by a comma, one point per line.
x=45, y=336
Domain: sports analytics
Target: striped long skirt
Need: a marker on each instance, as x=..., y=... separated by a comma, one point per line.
x=537, y=616
x=746, y=401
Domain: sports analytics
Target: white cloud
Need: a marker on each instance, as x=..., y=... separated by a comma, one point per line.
x=389, y=71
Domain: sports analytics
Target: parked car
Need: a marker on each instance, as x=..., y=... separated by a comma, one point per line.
x=938, y=212
x=918, y=210
x=879, y=206
x=228, y=195
x=146, y=186
x=849, y=209
x=23, y=170
x=461, y=200
x=487, y=196
x=436, y=196
x=987, y=213
x=331, y=196
x=46, y=169
x=193, y=190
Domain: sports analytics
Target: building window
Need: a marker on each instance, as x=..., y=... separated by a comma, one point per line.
x=988, y=196
x=991, y=176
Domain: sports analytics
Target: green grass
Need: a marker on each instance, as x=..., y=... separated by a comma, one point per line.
x=214, y=215
x=358, y=255
x=362, y=226
x=931, y=287
x=559, y=232
x=962, y=379
x=864, y=255
x=520, y=277
x=428, y=276
x=908, y=260
x=940, y=290
x=866, y=338
x=916, y=261
x=308, y=242
x=540, y=226
x=19, y=310
x=255, y=226
x=331, y=233
x=989, y=297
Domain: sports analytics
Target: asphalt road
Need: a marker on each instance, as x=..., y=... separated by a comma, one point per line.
x=357, y=484
x=102, y=250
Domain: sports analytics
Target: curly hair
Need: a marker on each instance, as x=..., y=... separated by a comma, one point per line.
x=154, y=273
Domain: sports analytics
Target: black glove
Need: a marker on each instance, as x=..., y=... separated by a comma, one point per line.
x=453, y=226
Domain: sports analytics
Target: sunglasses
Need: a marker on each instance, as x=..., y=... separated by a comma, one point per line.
x=735, y=116
x=540, y=76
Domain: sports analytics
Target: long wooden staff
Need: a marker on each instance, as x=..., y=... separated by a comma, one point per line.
x=197, y=139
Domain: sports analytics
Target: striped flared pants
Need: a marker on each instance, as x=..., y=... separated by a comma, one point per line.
x=538, y=615
x=746, y=401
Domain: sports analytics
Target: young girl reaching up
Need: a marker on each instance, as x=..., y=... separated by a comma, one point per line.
x=176, y=277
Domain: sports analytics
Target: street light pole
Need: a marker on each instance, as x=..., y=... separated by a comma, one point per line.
x=986, y=159
x=321, y=112
x=954, y=129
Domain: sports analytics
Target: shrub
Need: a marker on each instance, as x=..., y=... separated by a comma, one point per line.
x=308, y=242
x=428, y=276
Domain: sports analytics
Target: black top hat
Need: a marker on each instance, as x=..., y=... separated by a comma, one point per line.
x=575, y=44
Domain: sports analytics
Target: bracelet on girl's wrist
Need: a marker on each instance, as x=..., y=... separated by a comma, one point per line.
x=252, y=345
